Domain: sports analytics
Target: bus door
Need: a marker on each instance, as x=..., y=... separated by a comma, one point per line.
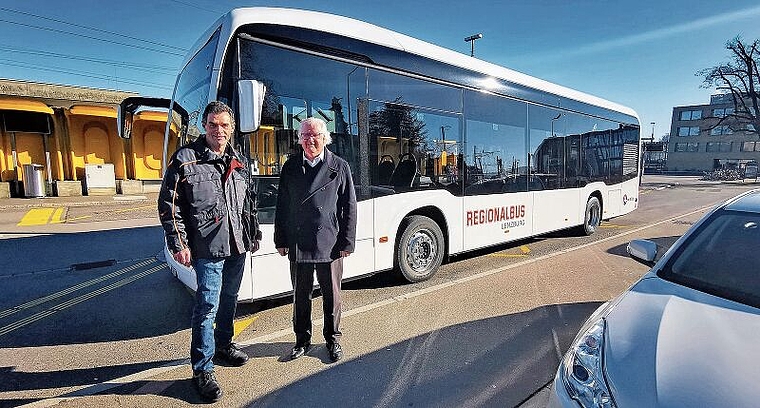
x=494, y=171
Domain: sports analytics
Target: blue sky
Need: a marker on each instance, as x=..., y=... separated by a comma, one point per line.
x=643, y=54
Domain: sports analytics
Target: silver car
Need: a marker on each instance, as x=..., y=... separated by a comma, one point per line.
x=687, y=334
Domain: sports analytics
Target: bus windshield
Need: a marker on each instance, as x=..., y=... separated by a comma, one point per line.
x=193, y=86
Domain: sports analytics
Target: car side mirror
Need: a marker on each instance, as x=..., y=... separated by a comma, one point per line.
x=250, y=104
x=643, y=250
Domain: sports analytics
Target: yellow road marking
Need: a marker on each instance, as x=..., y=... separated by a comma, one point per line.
x=243, y=324
x=75, y=301
x=523, y=248
x=144, y=207
x=56, y=218
x=608, y=225
x=36, y=216
x=80, y=218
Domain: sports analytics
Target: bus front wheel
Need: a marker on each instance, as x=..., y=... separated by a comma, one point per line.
x=420, y=249
x=593, y=216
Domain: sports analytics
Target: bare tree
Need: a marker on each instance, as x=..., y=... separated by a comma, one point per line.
x=739, y=78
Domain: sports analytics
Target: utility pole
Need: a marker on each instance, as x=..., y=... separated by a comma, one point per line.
x=471, y=39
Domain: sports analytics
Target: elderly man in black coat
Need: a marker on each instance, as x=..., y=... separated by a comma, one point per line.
x=315, y=226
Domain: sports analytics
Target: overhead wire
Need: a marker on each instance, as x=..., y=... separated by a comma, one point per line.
x=186, y=3
x=100, y=30
x=163, y=52
x=123, y=64
x=85, y=74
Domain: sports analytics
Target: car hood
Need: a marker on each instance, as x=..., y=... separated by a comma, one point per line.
x=671, y=346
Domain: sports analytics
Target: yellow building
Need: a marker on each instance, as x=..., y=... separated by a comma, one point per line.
x=69, y=131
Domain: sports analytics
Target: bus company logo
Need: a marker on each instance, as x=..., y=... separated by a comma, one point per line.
x=627, y=199
x=496, y=214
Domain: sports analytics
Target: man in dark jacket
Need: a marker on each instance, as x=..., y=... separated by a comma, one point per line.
x=315, y=225
x=207, y=207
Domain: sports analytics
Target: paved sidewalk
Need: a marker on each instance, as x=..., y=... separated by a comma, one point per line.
x=78, y=201
x=650, y=181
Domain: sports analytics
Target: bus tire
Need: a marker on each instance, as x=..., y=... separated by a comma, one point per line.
x=420, y=248
x=592, y=217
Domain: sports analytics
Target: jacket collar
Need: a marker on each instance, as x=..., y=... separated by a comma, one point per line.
x=330, y=160
x=205, y=153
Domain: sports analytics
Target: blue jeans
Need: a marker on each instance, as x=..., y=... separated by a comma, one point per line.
x=215, y=300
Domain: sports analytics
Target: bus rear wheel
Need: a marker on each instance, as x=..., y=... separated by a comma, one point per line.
x=420, y=248
x=593, y=216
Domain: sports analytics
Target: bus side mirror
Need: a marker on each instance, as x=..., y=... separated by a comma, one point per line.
x=250, y=104
x=125, y=112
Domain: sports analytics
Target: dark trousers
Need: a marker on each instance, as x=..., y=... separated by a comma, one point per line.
x=329, y=276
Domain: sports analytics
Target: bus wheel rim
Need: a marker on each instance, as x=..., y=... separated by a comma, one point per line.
x=421, y=251
x=594, y=217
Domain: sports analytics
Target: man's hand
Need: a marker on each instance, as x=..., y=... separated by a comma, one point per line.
x=282, y=251
x=256, y=246
x=344, y=254
x=183, y=257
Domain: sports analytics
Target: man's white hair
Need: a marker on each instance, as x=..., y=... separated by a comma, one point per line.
x=319, y=125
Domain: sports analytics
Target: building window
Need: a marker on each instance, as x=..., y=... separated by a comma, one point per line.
x=751, y=147
x=688, y=131
x=723, y=147
x=687, y=147
x=691, y=115
x=721, y=130
x=721, y=112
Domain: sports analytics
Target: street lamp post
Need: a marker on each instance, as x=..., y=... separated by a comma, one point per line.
x=471, y=39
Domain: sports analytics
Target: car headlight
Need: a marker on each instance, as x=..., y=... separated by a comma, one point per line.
x=583, y=369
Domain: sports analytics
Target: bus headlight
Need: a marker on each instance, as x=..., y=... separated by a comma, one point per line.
x=582, y=373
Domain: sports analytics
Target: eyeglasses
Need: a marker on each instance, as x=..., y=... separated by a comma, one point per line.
x=310, y=135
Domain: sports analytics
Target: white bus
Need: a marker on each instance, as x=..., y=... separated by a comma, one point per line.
x=449, y=153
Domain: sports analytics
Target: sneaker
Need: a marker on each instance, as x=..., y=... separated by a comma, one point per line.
x=208, y=388
x=299, y=351
x=336, y=352
x=231, y=355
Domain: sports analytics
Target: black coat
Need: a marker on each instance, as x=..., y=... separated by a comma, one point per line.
x=318, y=220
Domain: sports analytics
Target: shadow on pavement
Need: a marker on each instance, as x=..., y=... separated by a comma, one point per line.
x=499, y=361
x=22, y=381
x=663, y=244
x=62, y=250
x=134, y=300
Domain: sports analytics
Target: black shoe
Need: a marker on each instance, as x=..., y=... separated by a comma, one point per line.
x=231, y=355
x=336, y=352
x=208, y=388
x=298, y=351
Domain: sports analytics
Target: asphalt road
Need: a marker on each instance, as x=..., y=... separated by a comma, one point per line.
x=90, y=317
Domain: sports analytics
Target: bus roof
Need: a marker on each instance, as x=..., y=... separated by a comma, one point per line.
x=363, y=31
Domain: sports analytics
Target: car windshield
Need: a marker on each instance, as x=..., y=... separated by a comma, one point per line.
x=721, y=258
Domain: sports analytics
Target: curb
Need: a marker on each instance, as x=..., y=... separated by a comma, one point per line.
x=82, y=201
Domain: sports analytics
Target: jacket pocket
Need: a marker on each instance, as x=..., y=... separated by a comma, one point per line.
x=203, y=191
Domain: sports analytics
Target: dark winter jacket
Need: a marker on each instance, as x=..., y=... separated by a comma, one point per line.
x=207, y=202
x=315, y=220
